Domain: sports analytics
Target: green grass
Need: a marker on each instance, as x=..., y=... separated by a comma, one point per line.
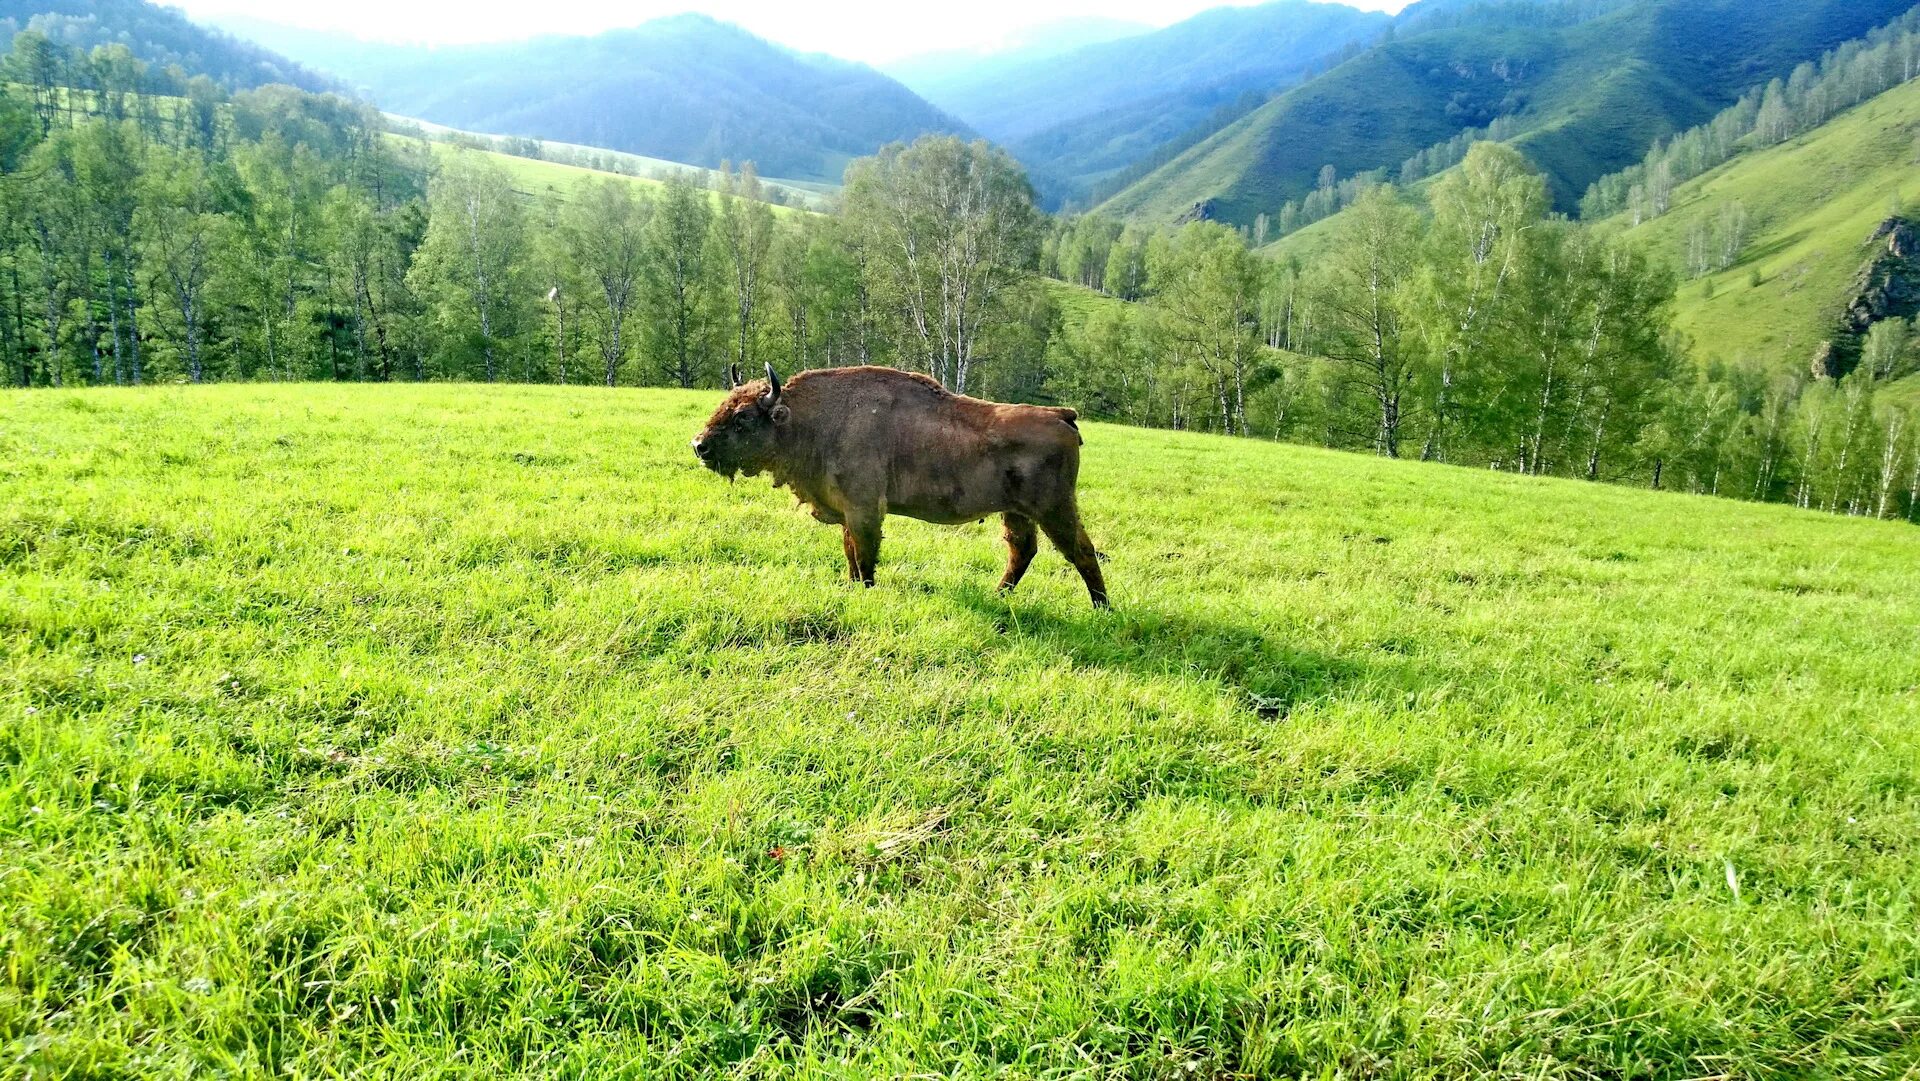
x=454, y=731
x=1813, y=202
x=1078, y=303
x=535, y=177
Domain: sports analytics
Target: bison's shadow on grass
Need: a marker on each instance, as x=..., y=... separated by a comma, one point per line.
x=1268, y=674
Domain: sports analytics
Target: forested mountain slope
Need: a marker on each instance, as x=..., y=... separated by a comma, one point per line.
x=1808, y=211
x=1584, y=96
x=685, y=88
x=1103, y=106
x=158, y=36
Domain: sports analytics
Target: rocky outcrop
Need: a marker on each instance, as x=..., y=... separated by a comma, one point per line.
x=1887, y=287
x=1200, y=211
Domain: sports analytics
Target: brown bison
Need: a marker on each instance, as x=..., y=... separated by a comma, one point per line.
x=858, y=444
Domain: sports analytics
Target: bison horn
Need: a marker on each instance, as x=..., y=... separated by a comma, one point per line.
x=773, y=386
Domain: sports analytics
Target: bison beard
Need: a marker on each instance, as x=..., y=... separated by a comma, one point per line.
x=858, y=444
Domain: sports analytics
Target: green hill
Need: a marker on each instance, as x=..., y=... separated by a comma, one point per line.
x=1589, y=97
x=474, y=731
x=1811, y=204
x=684, y=88
x=159, y=36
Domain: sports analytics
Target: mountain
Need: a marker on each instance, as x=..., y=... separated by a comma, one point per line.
x=161, y=36
x=687, y=88
x=1088, y=111
x=933, y=75
x=1587, y=87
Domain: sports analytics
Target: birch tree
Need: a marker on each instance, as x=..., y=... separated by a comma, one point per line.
x=472, y=260
x=181, y=233
x=744, y=231
x=603, y=238
x=951, y=232
x=1361, y=293
x=679, y=293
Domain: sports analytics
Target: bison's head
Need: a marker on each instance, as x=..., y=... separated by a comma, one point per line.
x=740, y=436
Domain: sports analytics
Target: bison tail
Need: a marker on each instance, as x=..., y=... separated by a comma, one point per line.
x=1068, y=415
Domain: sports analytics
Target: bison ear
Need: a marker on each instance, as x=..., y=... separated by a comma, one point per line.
x=773, y=388
x=780, y=414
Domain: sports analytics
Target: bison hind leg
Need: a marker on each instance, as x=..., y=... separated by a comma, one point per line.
x=1067, y=534
x=1022, y=543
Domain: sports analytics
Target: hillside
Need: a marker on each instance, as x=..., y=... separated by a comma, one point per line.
x=159, y=36
x=1812, y=204
x=684, y=88
x=1089, y=111
x=538, y=179
x=1588, y=97
x=558, y=163
x=493, y=732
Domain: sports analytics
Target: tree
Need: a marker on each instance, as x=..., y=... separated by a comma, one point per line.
x=1125, y=275
x=1482, y=213
x=181, y=232
x=679, y=301
x=951, y=233
x=1205, y=311
x=744, y=228
x=471, y=262
x=1362, y=291
x=1885, y=350
x=603, y=237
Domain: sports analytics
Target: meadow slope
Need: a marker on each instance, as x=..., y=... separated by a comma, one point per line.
x=1813, y=203
x=461, y=731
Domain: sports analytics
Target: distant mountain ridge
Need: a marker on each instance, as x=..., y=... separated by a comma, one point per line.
x=1089, y=111
x=932, y=74
x=1589, y=87
x=686, y=87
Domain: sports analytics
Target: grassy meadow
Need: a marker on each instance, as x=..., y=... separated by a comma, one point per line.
x=473, y=732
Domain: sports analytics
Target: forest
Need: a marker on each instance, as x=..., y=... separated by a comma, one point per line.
x=161, y=229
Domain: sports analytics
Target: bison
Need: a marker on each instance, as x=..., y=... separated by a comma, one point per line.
x=858, y=444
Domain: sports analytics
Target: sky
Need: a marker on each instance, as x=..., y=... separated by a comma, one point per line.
x=876, y=31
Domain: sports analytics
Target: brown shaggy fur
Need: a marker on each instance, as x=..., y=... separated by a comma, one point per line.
x=858, y=444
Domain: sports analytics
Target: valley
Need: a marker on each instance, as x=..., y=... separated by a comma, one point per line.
x=1499, y=432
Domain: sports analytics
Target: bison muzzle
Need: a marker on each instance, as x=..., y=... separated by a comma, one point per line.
x=858, y=444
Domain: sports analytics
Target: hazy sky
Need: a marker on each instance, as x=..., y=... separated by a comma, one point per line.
x=872, y=30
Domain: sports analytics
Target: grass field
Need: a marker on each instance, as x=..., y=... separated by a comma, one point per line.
x=535, y=177
x=458, y=731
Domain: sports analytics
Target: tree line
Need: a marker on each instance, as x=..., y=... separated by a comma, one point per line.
x=1481, y=330
x=276, y=234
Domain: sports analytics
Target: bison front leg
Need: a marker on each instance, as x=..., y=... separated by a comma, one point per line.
x=1022, y=542
x=853, y=553
x=1067, y=534
x=861, y=536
